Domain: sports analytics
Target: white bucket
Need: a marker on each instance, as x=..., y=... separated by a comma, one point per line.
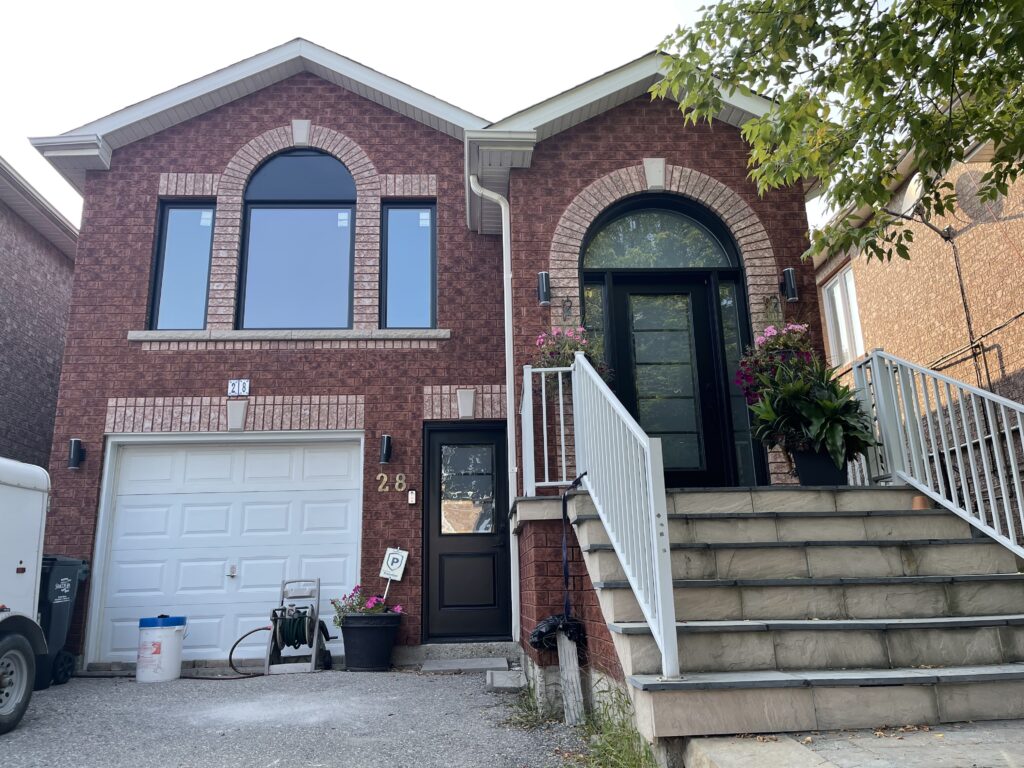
x=160, y=642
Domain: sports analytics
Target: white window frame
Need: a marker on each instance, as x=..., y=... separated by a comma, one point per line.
x=847, y=313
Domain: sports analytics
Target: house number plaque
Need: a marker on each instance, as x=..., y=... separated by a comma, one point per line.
x=384, y=483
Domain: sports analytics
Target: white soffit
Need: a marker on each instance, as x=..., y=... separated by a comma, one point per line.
x=27, y=203
x=492, y=153
x=89, y=147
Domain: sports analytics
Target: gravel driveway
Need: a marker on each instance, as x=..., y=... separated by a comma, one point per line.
x=362, y=720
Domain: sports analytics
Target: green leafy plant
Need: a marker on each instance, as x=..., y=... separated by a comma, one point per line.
x=804, y=407
x=359, y=601
x=558, y=350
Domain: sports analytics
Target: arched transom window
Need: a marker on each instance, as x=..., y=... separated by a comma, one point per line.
x=655, y=239
x=299, y=222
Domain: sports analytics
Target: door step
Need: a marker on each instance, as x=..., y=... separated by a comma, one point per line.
x=463, y=666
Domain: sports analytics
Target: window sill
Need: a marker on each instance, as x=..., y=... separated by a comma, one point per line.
x=375, y=334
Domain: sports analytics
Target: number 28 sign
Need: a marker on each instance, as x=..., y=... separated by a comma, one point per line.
x=384, y=483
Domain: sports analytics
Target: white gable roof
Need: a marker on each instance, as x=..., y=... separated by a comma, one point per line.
x=89, y=147
x=491, y=153
x=25, y=201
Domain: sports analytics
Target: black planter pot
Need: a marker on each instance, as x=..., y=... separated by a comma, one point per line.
x=369, y=639
x=817, y=468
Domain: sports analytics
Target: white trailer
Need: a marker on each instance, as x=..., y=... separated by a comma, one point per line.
x=24, y=491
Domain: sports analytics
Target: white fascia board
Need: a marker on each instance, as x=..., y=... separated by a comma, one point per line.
x=22, y=198
x=643, y=71
x=72, y=156
x=300, y=53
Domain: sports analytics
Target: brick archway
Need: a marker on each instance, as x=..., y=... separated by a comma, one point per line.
x=220, y=312
x=758, y=259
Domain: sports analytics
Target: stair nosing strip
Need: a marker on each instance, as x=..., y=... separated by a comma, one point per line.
x=820, y=582
x=700, y=545
x=640, y=628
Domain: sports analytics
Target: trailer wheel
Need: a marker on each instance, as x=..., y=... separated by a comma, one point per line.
x=63, y=667
x=17, y=673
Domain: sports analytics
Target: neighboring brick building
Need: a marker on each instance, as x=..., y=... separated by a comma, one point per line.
x=37, y=262
x=918, y=309
x=286, y=244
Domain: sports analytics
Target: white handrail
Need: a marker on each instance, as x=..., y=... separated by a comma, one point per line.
x=557, y=470
x=961, y=446
x=625, y=477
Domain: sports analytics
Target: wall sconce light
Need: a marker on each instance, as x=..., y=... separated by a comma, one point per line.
x=76, y=453
x=544, y=289
x=385, y=449
x=787, y=286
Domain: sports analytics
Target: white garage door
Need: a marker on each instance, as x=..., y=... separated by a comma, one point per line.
x=187, y=517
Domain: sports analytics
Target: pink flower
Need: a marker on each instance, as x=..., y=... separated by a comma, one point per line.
x=570, y=334
x=397, y=609
x=760, y=340
x=770, y=331
x=556, y=332
x=373, y=602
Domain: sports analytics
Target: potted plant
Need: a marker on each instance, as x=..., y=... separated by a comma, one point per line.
x=800, y=406
x=558, y=350
x=368, y=627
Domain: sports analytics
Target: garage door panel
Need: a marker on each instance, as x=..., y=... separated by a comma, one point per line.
x=185, y=516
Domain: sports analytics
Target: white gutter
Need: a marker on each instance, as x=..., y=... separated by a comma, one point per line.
x=510, y=382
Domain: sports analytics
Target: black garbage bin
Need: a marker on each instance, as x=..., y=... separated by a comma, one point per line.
x=58, y=588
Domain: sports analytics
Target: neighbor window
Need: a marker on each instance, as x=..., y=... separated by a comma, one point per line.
x=183, y=267
x=408, y=266
x=842, y=318
x=297, y=271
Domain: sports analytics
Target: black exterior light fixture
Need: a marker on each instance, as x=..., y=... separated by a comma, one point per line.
x=787, y=286
x=544, y=289
x=385, y=449
x=76, y=453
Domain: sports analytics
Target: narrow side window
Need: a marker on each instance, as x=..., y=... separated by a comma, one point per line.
x=408, y=263
x=182, y=271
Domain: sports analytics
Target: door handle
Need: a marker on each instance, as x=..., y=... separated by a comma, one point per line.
x=232, y=572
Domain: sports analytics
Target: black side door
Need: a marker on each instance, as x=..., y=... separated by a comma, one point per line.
x=467, y=589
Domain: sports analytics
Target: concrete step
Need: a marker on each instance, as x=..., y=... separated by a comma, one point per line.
x=752, y=527
x=788, y=499
x=772, y=701
x=819, y=559
x=730, y=646
x=894, y=597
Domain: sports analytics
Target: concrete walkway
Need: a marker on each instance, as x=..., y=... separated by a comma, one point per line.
x=364, y=720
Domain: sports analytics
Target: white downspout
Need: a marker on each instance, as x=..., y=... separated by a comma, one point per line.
x=510, y=383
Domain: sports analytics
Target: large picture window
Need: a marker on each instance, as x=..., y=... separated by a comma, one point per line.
x=408, y=266
x=297, y=272
x=182, y=271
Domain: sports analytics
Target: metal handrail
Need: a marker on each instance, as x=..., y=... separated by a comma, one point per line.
x=958, y=444
x=626, y=481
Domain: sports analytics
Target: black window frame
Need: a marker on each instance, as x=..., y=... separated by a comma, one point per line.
x=164, y=206
x=430, y=204
x=243, y=266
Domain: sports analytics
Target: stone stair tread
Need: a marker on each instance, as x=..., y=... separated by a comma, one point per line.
x=592, y=517
x=708, y=681
x=822, y=582
x=597, y=547
x=769, y=625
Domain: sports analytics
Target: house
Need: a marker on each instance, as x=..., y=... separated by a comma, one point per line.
x=306, y=318
x=953, y=306
x=37, y=263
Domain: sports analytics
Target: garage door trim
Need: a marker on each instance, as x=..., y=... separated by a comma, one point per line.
x=108, y=489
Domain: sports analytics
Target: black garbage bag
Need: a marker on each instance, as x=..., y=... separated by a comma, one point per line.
x=543, y=635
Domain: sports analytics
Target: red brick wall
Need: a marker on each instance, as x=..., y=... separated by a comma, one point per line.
x=35, y=288
x=542, y=592
x=112, y=290
x=565, y=164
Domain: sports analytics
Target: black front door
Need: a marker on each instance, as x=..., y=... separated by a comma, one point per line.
x=668, y=373
x=467, y=593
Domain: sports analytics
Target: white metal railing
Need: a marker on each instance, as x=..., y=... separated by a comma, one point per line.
x=959, y=445
x=552, y=386
x=625, y=477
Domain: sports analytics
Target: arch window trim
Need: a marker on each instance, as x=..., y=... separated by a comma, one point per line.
x=345, y=203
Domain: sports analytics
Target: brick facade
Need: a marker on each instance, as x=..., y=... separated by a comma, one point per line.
x=386, y=375
x=35, y=290
x=914, y=308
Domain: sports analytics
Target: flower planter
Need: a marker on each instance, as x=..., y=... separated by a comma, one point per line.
x=369, y=639
x=817, y=468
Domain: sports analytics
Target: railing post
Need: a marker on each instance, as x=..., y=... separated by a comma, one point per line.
x=526, y=419
x=663, y=555
x=888, y=416
x=867, y=402
x=578, y=416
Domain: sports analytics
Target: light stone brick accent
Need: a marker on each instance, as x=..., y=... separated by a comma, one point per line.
x=209, y=414
x=654, y=170
x=189, y=184
x=760, y=267
x=441, y=402
x=408, y=185
x=288, y=344
x=300, y=132
x=220, y=313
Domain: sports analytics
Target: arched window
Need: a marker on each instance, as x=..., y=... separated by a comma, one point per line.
x=299, y=223
x=653, y=238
